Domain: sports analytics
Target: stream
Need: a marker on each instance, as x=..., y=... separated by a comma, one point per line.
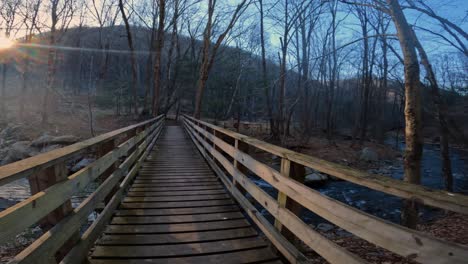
x=383, y=205
x=373, y=202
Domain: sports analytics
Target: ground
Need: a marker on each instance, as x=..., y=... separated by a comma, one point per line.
x=60, y=123
x=451, y=227
x=341, y=150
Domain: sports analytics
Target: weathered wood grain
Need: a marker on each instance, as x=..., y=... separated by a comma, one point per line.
x=437, y=198
x=398, y=239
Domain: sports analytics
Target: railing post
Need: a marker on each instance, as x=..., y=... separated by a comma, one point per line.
x=296, y=172
x=244, y=147
x=43, y=180
x=103, y=149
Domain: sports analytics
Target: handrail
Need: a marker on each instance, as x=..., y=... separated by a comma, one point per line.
x=32, y=165
x=400, y=240
x=423, y=195
x=139, y=140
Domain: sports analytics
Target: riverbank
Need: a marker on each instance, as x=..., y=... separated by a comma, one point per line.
x=19, y=140
x=450, y=227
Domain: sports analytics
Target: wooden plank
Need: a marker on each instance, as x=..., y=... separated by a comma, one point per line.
x=282, y=197
x=169, y=180
x=177, y=170
x=175, y=228
x=60, y=233
x=177, y=211
x=197, y=231
x=175, y=184
x=174, y=219
x=319, y=243
x=297, y=173
x=183, y=204
x=78, y=253
x=177, y=198
x=159, y=177
x=292, y=254
x=259, y=255
x=31, y=210
x=436, y=198
x=283, y=245
x=29, y=166
x=398, y=239
x=166, y=193
x=177, y=238
x=190, y=249
x=193, y=188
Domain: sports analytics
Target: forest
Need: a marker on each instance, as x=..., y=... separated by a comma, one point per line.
x=343, y=80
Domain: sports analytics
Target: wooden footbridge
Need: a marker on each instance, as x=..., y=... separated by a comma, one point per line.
x=184, y=194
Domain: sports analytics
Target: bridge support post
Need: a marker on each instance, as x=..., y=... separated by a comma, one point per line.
x=244, y=147
x=296, y=172
x=43, y=180
x=103, y=150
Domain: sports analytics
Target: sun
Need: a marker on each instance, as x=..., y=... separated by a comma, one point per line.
x=6, y=43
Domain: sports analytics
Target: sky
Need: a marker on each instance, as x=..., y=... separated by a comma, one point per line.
x=454, y=10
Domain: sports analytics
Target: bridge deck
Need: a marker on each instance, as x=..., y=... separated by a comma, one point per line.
x=177, y=211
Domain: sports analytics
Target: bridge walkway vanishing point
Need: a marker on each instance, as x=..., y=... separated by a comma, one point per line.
x=177, y=211
x=173, y=194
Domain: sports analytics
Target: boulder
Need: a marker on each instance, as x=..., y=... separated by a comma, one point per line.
x=50, y=148
x=18, y=151
x=369, y=155
x=81, y=164
x=11, y=131
x=315, y=178
x=3, y=153
x=42, y=141
x=46, y=140
x=325, y=227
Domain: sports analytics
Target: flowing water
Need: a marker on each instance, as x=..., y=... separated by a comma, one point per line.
x=383, y=205
x=370, y=201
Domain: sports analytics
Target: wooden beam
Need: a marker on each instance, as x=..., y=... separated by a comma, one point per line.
x=31, y=210
x=33, y=165
x=319, y=243
x=398, y=239
x=43, y=180
x=79, y=252
x=436, y=198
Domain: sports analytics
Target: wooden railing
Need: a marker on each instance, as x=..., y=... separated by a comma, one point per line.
x=227, y=153
x=119, y=156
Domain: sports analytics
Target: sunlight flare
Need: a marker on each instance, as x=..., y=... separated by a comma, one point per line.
x=6, y=43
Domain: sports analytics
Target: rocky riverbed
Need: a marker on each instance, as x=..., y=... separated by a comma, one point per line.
x=16, y=144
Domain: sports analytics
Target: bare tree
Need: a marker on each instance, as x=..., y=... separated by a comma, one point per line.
x=132, y=56
x=158, y=53
x=208, y=53
x=441, y=115
x=61, y=14
x=105, y=14
x=265, y=84
x=413, y=136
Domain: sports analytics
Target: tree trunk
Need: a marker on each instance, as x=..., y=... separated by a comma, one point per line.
x=266, y=87
x=132, y=58
x=157, y=61
x=50, y=79
x=208, y=55
x=441, y=116
x=413, y=137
